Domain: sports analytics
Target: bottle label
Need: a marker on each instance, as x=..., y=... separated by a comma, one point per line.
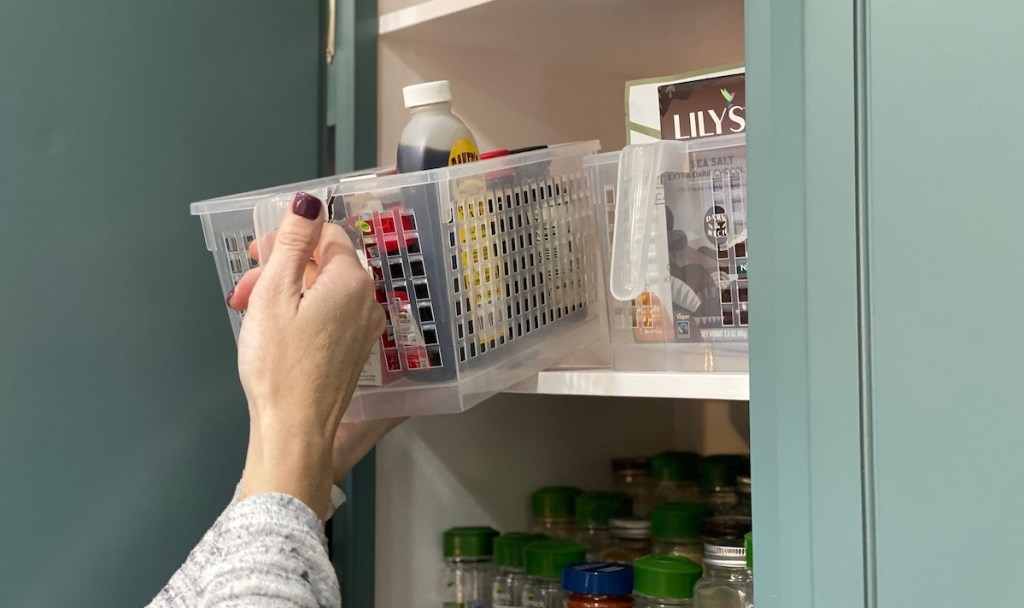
x=532, y=599
x=502, y=597
x=463, y=151
x=371, y=374
x=407, y=332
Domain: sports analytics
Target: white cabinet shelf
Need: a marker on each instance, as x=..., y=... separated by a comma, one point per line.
x=638, y=39
x=672, y=385
x=418, y=14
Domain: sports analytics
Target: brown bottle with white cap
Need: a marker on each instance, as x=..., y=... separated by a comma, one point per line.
x=434, y=137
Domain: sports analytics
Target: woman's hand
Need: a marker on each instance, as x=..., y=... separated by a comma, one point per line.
x=300, y=353
x=353, y=440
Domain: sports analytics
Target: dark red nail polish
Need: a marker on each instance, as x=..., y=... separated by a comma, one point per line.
x=307, y=206
x=227, y=300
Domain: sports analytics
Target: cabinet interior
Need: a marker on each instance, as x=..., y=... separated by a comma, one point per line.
x=529, y=72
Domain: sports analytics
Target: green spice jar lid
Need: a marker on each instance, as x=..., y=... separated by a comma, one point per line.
x=748, y=544
x=678, y=520
x=665, y=576
x=720, y=471
x=596, y=508
x=470, y=541
x=554, y=502
x=675, y=466
x=508, y=548
x=546, y=558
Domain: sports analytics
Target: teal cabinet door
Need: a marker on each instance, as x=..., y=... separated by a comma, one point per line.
x=944, y=158
x=805, y=411
x=122, y=422
x=887, y=406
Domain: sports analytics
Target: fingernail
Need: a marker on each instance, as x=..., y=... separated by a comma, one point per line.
x=306, y=205
x=227, y=300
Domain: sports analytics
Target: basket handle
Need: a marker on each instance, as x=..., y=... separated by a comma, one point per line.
x=637, y=191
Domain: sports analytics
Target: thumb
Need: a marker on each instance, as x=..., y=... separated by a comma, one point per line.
x=294, y=245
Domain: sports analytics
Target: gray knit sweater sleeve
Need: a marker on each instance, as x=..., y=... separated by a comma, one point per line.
x=266, y=551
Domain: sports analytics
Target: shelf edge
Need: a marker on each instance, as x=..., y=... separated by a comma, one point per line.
x=666, y=385
x=423, y=12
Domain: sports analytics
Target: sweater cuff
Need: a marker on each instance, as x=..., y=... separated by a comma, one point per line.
x=338, y=498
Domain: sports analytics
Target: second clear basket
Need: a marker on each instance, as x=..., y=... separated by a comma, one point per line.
x=674, y=215
x=487, y=272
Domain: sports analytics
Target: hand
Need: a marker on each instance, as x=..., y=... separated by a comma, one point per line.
x=300, y=354
x=353, y=440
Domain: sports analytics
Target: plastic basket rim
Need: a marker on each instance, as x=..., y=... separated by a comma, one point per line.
x=247, y=200
x=363, y=181
x=438, y=176
x=699, y=145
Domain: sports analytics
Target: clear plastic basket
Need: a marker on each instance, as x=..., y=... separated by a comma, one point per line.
x=228, y=227
x=487, y=272
x=678, y=293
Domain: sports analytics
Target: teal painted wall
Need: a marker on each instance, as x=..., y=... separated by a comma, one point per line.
x=122, y=422
x=944, y=154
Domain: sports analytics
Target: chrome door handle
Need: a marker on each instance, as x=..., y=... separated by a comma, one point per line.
x=332, y=7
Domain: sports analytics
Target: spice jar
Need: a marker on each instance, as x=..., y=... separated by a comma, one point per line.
x=631, y=538
x=675, y=478
x=544, y=562
x=593, y=510
x=744, y=505
x=676, y=529
x=718, y=480
x=598, y=585
x=726, y=530
x=727, y=581
x=633, y=477
x=507, y=591
x=664, y=581
x=554, y=511
x=468, y=570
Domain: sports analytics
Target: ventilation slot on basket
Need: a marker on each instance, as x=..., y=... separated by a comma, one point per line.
x=518, y=249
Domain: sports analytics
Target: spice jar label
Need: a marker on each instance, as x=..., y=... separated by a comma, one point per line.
x=502, y=597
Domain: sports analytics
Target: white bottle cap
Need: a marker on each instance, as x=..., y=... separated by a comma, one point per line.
x=427, y=93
